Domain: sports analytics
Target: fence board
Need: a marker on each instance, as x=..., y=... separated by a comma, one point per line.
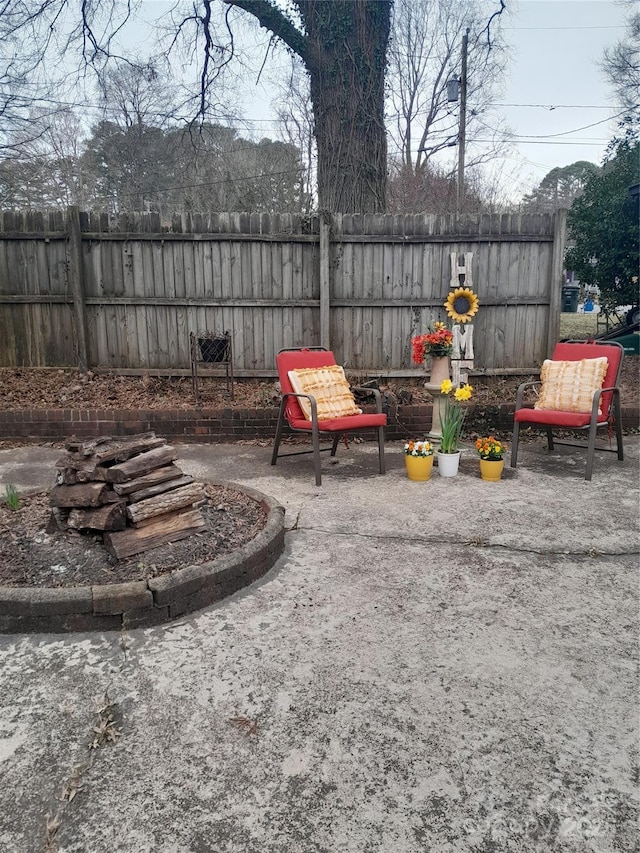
x=147, y=284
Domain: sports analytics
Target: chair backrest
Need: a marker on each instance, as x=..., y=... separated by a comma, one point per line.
x=297, y=359
x=613, y=352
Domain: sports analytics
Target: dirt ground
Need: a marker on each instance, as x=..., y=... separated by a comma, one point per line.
x=29, y=556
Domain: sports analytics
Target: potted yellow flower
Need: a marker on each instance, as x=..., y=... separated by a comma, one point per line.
x=418, y=458
x=451, y=420
x=491, y=453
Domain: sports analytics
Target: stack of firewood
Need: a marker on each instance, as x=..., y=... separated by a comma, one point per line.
x=127, y=489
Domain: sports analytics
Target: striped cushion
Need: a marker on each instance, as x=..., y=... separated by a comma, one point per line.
x=569, y=386
x=329, y=387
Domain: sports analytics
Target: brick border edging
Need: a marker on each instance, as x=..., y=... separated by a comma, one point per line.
x=141, y=604
x=223, y=425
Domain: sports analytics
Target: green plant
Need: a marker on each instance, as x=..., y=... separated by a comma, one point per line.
x=418, y=448
x=452, y=418
x=490, y=448
x=12, y=497
x=603, y=226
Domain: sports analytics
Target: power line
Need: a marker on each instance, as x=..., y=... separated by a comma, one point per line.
x=555, y=106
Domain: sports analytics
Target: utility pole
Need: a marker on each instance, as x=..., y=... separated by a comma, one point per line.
x=462, y=131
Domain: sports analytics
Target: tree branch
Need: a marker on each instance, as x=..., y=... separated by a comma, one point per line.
x=275, y=21
x=487, y=29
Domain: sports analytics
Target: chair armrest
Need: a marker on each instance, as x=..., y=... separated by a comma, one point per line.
x=615, y=392
x=376, y=393
x=309, y=397
x=520, y=392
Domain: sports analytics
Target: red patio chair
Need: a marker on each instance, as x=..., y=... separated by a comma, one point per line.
x=292, y=411
x=605, y=403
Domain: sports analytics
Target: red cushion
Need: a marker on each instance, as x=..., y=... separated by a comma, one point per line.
x=551, y=417
x=342, y=424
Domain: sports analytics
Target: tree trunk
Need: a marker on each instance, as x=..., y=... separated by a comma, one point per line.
x=346, y=63
x=343, y=44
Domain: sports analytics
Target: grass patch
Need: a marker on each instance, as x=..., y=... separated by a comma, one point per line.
x=12, y=497
x=579, y=326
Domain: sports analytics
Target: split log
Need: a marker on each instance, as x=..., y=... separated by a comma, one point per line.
x=80, y=495
x=161, y=488
x=165, y=503
x=141, y=464
x=160, y=475
x=131, y=541
x=165, y=518
x=95, y=446
x=57, y=520
x=110, y=517
x=124, y=449
x=73, y=469
x=111, y=497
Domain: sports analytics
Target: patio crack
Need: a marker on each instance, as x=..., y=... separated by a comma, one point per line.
x=472, y=543
x=105, y=729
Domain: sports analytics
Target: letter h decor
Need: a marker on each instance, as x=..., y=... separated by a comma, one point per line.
x=462, y=357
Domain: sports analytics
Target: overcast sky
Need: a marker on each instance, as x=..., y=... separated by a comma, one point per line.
x=556, y=46
x=552, y=85
x=555, y=98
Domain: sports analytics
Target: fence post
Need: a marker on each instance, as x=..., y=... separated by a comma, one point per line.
x=325, y=283
x=555, y=285
x=76, y=281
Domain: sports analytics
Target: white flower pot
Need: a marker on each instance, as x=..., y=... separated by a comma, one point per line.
x=448, y=463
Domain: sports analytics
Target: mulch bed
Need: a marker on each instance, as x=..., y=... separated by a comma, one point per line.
x=31, y=557
x=68, y=389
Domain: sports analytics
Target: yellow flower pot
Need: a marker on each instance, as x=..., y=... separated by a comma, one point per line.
x=491, y=469
x=418, y=467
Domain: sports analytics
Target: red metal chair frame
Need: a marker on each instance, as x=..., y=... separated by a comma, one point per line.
x=607, y=399
x=296, y=359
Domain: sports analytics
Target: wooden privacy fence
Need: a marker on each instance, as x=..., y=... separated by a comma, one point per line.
x=83, y=290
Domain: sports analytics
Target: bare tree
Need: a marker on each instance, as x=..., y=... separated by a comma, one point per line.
x=621, y=63
x=343, y=47
x=425, y=52
x=293, y=108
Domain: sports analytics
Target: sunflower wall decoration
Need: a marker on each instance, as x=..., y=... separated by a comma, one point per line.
x=462, y=304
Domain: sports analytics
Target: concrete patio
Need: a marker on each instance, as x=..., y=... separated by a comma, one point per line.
x=442, y=666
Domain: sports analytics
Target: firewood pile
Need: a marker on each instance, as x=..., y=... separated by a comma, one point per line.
x=129, y=490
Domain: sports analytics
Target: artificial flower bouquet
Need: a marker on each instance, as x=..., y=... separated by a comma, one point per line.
x=438, y=343
x=418, y=448
x=453, y=414
x=490, y=448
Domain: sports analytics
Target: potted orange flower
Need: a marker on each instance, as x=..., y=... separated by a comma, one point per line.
x=491, y=453
x=437, y=343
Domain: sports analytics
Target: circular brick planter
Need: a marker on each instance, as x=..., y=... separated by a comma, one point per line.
x=140, y=604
